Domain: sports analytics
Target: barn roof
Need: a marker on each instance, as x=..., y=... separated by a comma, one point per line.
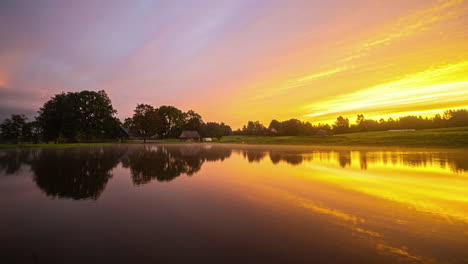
x=189, y=134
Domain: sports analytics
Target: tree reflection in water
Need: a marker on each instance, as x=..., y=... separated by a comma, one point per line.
x=77, y=173
x=83, y=172
x=164, y=163
x=456, y=160
x=11, y=161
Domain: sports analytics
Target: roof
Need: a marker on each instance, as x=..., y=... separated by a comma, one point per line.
x=189, y=134
x=127, y=131
x=322, y=132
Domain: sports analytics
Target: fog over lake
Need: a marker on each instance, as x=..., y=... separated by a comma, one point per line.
x=195, y=203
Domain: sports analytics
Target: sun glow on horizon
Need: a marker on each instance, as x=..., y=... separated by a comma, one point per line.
x=237, y=61
x=401, y=69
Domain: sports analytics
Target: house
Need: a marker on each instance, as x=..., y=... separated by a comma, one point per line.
x=126, y=134
x=322, y=132
x=189, y=135
x=273, y=131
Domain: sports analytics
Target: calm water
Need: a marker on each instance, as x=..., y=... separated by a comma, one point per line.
x=233, y=204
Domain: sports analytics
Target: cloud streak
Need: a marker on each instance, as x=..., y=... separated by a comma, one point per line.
x=397, y=96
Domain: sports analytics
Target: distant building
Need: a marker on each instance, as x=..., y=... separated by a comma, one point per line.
x=188, y=135
x=126, y=134
x=322, y=132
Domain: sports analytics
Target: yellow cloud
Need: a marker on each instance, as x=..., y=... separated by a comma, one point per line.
x=322, y=74
x=419, y=89
x=417, y=22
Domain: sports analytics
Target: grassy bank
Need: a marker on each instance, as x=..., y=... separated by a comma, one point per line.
x=444, y=137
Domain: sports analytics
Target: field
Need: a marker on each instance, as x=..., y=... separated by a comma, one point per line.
x=443, y=137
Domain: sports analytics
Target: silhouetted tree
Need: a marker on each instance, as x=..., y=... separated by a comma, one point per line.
x=32, y=132
x=341, y=125
x=192, y=121
x=80, y=116
x=128, y=122
x=254, y=128
x=456, y=117
x=217, y=130
x=145, y=122
x=275, y=124
x=13, y=128
x=172, y=121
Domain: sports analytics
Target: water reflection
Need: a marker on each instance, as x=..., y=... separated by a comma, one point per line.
x=164, y=163
x=455, y=160
x=11, y=161
x=82, y=173
x=76, y=173
x=267, y=203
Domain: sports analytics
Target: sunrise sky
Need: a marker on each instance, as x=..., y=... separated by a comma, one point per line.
x=239, y=60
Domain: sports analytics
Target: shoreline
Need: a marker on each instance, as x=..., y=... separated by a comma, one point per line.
x=428, y=138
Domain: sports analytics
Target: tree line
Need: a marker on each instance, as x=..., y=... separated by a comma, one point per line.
x=88, y=170
x=294, y=127
x=89, y=116
x=169, y=122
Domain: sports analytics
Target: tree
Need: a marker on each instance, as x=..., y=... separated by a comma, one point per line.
x=32, y=132
x=54, y=117
x=128, y=122
x=437, y=121
x=254, y=128
x=79, y=116
x=341, y=125
x=360, y=122
x=146, y=121
x=95, y=115
x=275, y=124
x=456, y=117
x=172, y=121
x=217, y=130
x=192, y=121
x=292, y=127
x=12, y=128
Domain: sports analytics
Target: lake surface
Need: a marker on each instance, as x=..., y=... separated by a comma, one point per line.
x=203, y=203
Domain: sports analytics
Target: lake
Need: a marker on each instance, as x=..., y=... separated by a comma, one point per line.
x=213, y=203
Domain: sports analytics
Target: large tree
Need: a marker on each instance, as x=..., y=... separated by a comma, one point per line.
x=79, y=116
x=192, y=121
x=95, y=114
x=145, y=122
x=172, y=121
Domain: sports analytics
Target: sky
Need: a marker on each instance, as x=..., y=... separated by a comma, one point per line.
x=239, y=60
